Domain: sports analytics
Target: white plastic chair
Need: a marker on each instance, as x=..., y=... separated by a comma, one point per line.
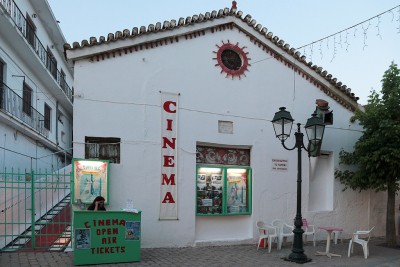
x=284, y=231
x=268, y=233
x=308, y=230
x=362, y=241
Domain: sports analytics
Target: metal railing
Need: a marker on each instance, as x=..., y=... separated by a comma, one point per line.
x=12, y=103
x=29, y=34
x=35, y=210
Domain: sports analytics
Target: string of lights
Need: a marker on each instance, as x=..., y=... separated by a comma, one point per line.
x=361, y=23
x=337, y=36
x=341, y=38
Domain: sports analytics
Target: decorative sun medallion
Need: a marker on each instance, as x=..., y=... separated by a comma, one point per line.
x=232, y=59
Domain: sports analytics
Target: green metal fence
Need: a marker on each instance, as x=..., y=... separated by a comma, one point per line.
x=35, y=210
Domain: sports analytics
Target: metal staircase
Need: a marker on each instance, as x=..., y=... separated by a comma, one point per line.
x=51, y=232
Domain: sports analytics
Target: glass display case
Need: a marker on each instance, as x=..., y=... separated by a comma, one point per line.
x=237, y=190
x=209, y=190
x=223, y=190
x=91, y=179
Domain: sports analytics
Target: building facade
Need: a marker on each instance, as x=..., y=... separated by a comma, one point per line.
x=36, y=93
x=183, y=112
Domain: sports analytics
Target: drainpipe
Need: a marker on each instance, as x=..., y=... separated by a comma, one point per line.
x=4, y=154
x=36, y=158
x=369, y=210
x=33, y=211
x=57, y=123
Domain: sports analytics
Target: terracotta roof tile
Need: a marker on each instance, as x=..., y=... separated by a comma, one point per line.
x=171, y=25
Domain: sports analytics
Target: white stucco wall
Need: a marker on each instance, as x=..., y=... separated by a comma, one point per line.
x=120, y=97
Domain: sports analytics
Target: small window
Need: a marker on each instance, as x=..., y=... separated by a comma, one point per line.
x=47, y=116
x=30, y=31
x=231, y=59
x=103, y=148
x=27, y=100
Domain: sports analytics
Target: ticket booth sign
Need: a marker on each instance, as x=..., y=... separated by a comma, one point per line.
x=106, y=237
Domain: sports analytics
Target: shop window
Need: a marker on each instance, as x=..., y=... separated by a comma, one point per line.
x=103, y=148
x=47, y=116
x=223, y=190
x=27, y=100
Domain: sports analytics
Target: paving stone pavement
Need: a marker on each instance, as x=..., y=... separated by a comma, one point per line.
x=213, y=256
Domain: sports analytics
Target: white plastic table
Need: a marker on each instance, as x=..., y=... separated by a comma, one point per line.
x=327, y=252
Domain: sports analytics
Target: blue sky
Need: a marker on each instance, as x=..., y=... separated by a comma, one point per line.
x=358, y=62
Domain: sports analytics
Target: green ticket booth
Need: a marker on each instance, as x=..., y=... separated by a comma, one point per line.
x=106, y=237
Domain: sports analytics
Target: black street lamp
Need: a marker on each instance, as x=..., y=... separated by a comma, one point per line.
x=315, y=127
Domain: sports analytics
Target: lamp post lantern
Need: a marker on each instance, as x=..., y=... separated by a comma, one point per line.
x=315, y=127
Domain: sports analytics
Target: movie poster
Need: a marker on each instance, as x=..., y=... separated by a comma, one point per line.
x=132, y=230
x=237, y=192
x=90, y=180
x=82, y=238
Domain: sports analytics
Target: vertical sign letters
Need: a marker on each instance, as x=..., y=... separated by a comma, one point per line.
x=169, y=124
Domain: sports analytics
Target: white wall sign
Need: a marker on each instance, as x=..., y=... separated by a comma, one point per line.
x=280, y=165
x=225, y=127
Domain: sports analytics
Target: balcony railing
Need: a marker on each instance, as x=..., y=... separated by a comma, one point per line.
x=12, y=104
x=46, y=58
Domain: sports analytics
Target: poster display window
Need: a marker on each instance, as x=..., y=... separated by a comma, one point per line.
x=90, y=180
x=223, y=190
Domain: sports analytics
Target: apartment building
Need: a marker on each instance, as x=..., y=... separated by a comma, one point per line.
x=36, y=93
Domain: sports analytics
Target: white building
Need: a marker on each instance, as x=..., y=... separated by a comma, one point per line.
x=36, y=91
x=36, y=97
x=162, y=101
